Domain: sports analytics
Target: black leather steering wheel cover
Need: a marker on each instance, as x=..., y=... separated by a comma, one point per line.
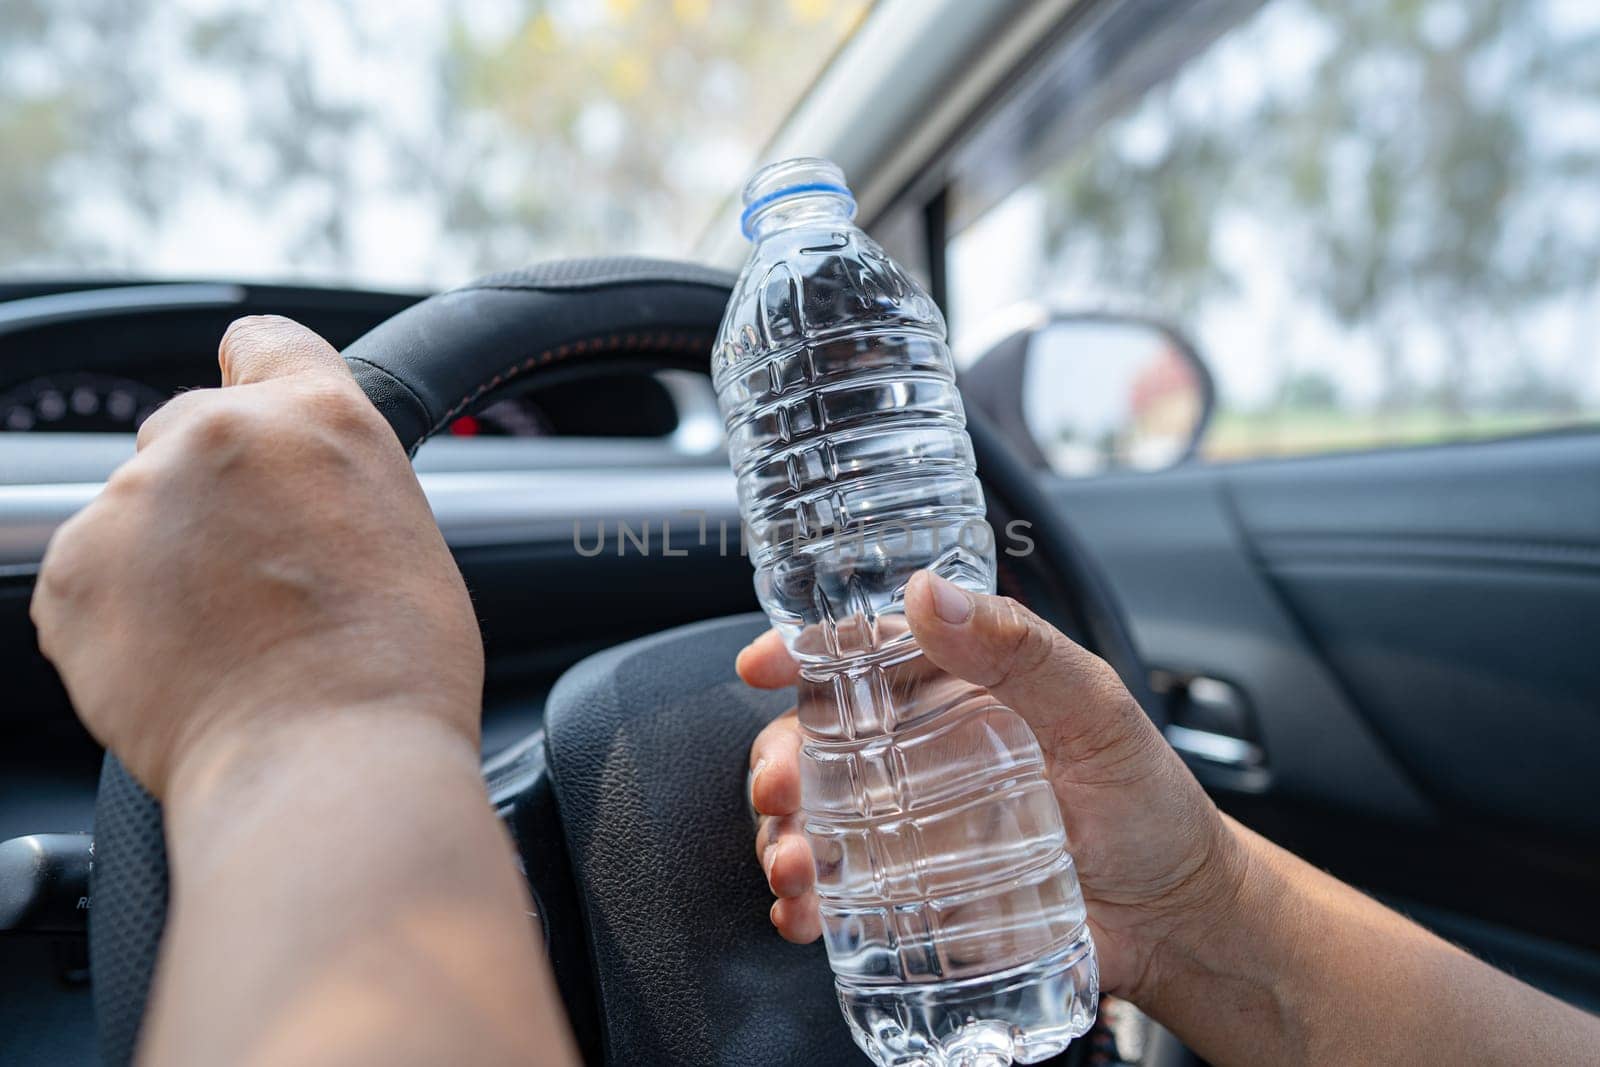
x=445, y=357
x=522, y=323
x=128, y=908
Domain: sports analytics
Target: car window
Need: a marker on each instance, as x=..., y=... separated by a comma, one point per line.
x=1378, y=220
x=403, y=145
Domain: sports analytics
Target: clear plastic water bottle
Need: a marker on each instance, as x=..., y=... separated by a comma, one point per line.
x=950, y=905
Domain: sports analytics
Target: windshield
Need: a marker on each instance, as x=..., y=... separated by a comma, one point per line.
x=399, y=145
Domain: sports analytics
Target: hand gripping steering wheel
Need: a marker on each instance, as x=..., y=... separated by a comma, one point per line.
x=628, y=807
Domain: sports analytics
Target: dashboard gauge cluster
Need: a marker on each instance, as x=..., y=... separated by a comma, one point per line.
x=94, y=402
x=101, y=360
x=516, y=417
x=77, y=402
x=98, y=402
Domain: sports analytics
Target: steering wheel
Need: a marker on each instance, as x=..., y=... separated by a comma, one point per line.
x=628, y=807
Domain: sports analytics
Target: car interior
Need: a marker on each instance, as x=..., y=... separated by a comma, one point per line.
x=1376, y=649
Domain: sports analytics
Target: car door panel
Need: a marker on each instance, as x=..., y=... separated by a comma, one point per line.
x=1415, y=632
x=1456, y=593
x=1199, y=604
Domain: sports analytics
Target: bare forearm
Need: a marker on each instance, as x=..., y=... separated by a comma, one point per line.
x=342, y=893
x=1304, y=969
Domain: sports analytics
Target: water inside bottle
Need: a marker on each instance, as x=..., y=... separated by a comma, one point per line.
x=951, y=908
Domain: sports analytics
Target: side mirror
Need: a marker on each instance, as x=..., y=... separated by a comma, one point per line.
x=1091, y=393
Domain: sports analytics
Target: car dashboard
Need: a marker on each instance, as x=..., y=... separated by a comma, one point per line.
x=512, y=485
x=103, y=359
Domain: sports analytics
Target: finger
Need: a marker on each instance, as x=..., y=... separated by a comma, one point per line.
x=798, y=919
x=766, y=664
x=766, y=833
x=60, y=586
x=1068, y=695
x=788, y=863
x=259, y=348
x=77, y=573
x=772, y=829
x=775, y=767
x=170, y=414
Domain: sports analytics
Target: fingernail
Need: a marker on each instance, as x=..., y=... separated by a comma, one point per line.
x=951, y=603
x=766, y=858
x=750, y=783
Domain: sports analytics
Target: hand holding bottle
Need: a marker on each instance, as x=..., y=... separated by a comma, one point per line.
x=1247, y=953
x=1152, y=850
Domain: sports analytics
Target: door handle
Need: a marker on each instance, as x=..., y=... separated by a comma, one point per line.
x=1213, y=747
x=1211, y=726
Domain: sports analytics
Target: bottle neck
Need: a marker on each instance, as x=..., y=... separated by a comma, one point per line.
x=805, y=191
x=823, y=208
x=796, y=211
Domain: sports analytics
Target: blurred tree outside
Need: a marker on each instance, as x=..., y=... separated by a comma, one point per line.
x=1378, y=217
x=1309, y=391
x=398, y=144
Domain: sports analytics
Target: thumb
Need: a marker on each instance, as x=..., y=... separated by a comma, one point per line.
x=1072, y=699
x=259, y=348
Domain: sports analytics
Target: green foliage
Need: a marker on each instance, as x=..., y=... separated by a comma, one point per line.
x=1309, y=391
x=658, y=79
x=140, y=133
x=33, y=133
x=1418, y=177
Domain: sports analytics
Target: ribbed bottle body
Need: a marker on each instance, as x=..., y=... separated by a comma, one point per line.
x=950, y=905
